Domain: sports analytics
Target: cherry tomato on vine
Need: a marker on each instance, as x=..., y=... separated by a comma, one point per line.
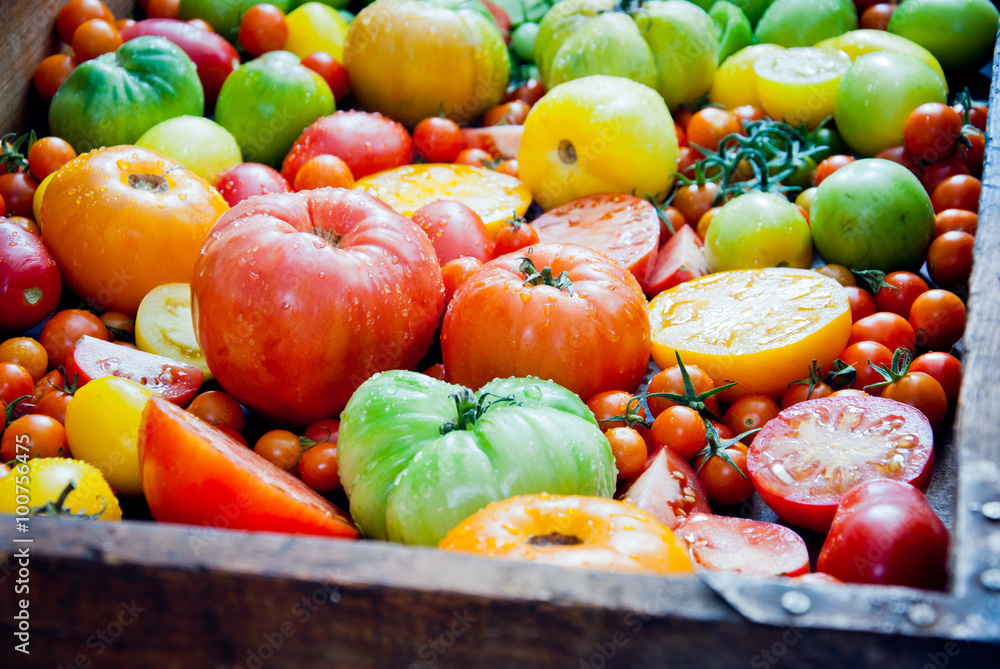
x=938, y=319
x=681, y=429
x=897, y=292
x=694, y=200
x=670, y=380
x=612, y=403
x=865, y=357
x=438, y=140
x=263, y=28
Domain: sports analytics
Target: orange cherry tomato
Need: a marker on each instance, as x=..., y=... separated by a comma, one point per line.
x=322, y=171
x=51, y=73
x=94, y=38
x=47, y=155
x=629, y=449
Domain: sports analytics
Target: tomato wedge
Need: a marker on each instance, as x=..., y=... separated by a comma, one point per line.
x=193, y=473
x=744, y=546
x=500, y=141
x=805, y=460
x=621, y=226
x=668, y=489
x=681, y=259
x=91, y=358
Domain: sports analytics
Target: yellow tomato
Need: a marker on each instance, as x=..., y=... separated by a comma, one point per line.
x=36, y=202
x=800, y=85
x=198, y=143
x=164, y=326
x=492, y=195
x=859, y=42
x=761, y=328
x=734, y=84
x=102, y=428
x=572, y=531
x=316, y=27
x=47, y=478
x=598, y=134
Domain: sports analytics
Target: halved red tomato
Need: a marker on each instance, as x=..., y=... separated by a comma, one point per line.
x=193, y=473
x=500, y=141
x=805, y=460
x=743, y=546
x=668, y=489
x=622, y=226
x=681, y=259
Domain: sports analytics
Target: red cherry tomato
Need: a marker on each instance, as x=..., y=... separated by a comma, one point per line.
x=944, y=367
x=710, y=125
x=94, y=38
x=244, y=180
x=680, y=429
x=865, y=357
x=898, y=291
x=15, y=383
x=263, y=28
x=750, y=412
x=724, y=483
x=456, y=272
x=937, y=172
x=862, y=303
x=438, y=140
x=47, y=155
x=932, y=131
x=218, y=408
x=514, y=237
x=876, y=17
x=508, y=113
x=75, y=12
x=323, y=171
x=891, y=330
x=938, y=319
x=828, y=166
x=319, y=468
x=949, y=259
x=951, y=220
x=455, y=230
x=629, y=449
x=957, y=192
x=18, y=191
x=333, y=73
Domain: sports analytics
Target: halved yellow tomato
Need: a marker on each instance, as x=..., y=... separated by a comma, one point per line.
x=799, y=85
x=761, y=328
x=492, y=195
x=164, y=326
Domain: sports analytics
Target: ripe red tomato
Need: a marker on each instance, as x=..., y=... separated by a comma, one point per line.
x=681, y=259
x=248, y=179
x=680, y=429
x=670, y=380
x=62, y=331
x=514, y=237
x=828, y=166
x=263, y=28
x=668, y=489
x=922, y=392
x=949, y=259
x=456, y=272
x=51, y=73
x=75, y=12
x=897, y=292
x=957, y=192
x=94, y=38
x=862, y=303
x=959, y=220
x=750, y=412
x=891, y=330
x=43, y=436
x=18, y=191
x=455, y=230
x=799, y=392
x=508, y=113
x=972, y=156
x=30, y=282
x=474, y=157
x=877, y=16
x=15, y=383
x=932, y=131
x=324, y=430
x=805, y=460
x=334, y=73
x=531, y=91
x=163, y=9
x=694, y=200
x=438, y=140
x=47, y=155
x=900, y=155
x=629, y=449
x=886, y=532
x=937, y=172
x=938, y=319
x=510, y=167
x=709, y=126
x=610, y=403
x=725, y=484
x=865, y=357
x=978, y=112
x=744, y=546
x=319, y=468
x=944, y=367
x=281, y=448
x=54, y=405
x=28, y=353
x=219, y=409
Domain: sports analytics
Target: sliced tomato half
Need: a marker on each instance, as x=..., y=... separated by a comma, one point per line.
x=193, y=473
x=681, y=259
x=668, y=489
x=744, y=546
x=500, y=141
x=622, y=226
x=806, y=459
x=91, y=358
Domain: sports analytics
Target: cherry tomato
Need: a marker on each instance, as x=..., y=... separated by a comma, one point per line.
x=725, y=484
x=902, y=156
x=18, y=191
x=949, y=259
x=951, y=220
x=335, y=74
x=120, y=326
x=876, y=17
x=828, y=166
x=932, y=131
x=744, y=546
x=163, y=9
x=457, y=271
x=455, y=230
x=747, y=113
x=200, y=24
x=233, y=434
x=28, y=353
x=675, y=218
x=957, y=192
x=531, y=91
x=710, y=125
x=611, y=403
x=842, y=274
x=438, y=140
x=281, y=448
x=922, y=392
x=34, y=436
x=436, y=371
x=75, y=12
x=865, y=357
x=937, y=172
x=263, y=28
x=15, y=382
x=897, y=292
x=510, y=167
x=694, y=200
x=670, y=380
x=508, y=113
x=47, y=155
x=54, y=405
x=122, y=24
x=514, y=237
x=972, y=156
x=319, y=469
x=61, y=331
x=324, y=170
x=94, y=38
x=681, y=429
x=862, y=302
x=938, y=319
x=49, y=383
x=944, y=367
x=750, y=412
x=799, y=392
x=474, y=157
x=323, y=430
x=629, y=449
x=218, y=408
x=687, y=159
x=889, y=329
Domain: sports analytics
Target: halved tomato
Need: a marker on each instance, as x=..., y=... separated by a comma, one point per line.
x=193, y=473
x=624, y=227
x=743, y=546
x=681, y=259
x=805, y=460
x=668, y=489
x=500, y=141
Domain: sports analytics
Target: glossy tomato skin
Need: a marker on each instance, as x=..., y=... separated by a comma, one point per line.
x=455, y=230
x=360, y=279
x=30, y=282
x=367, y=142
x=886, y=532
x=593, y=339
x=248, y=179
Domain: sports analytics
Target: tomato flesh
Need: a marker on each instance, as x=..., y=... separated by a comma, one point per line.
x=668, y=489
x=743, y=546
x=681, y=259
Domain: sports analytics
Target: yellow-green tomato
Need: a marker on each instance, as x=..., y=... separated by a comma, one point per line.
x=758, y=230
x=201, y=145
x=102, y=428
x=315, y=26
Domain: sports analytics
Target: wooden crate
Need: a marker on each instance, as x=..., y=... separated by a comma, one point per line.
x=146, y=595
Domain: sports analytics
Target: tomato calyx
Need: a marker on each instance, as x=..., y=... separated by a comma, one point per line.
x=633, y=416
x=470, y=409
x=10, y=411
x=690, y=398
x=58, y=508
x=716, y=448
x=661, y=211
x=874, y=279
x=814, y=379
x=544, y=277
x=11, y=155
x=899, y=368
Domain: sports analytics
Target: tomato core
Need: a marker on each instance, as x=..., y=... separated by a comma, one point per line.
x=554, y=539
x=329, y=236
x=33, y=295
x=567, y=152
x=152, y=183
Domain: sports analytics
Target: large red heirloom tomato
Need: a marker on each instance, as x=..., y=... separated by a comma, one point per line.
x=298, y=298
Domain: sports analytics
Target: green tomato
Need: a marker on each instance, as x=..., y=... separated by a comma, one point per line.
x=805, y=22
x=524, y=11
x=224, y=15
x=609, y=44
x=752, y=9
x=829, y=138
x=959, y=33
x=758, y=230
x=116, y=97
x=735, y=31
x=522, y=41
x=267, y=102
x=416, y=459
x=685, y=47
x=877, y=94
x=872, y=214
x=201, y=145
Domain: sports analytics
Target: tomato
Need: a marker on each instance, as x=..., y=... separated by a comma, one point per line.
x=949, y=259
x=951, y=220
x=200, y=144
x=335, y=74
x=499, y=141
x=960, y=35
x=324, y=430
x=247, y=179
x=531, y=91
x=886, y=532
x=936, y=173
x=120, y=326
x=710, y=125
x=51, y=73
x=263, y=28
x=799, y=392
x=922, y=392
x=862, y=303
x=938, y=319
x=805, y=460
x=945, y=368
x=508, y=113
x=724, y=483
x=898, y=291
x=91, y=358
x=735, y=83
x=303, y=245
x=63, y=330
x=973, y=155
x=561, y=312
x=46, y=480
x=750, y=412
x=318, y=468
x=54, y=404
x=671, y=221
x=192, y=473
x=865, y=357
x=668, y=489
x=47, y=155
x=455, y=230
x=323, y=171
x=799, y=85
x=828, y=166
x=35, y=436
x=571, y=531
x=681, y=259
x=901, y=156
x=891, y=330
x=15, y=384
x=163, y=9
x=610, y=403
x=758, y=230
x=281, y=448
x=49, y=383
x=218, y=409
x=876, y=17
x=957, y=192
x=17, y=190
x=155, y=240
x=30, y=281
x=932, y=131
x=681, y=429
x=744, y=546
x=629, y=449
x=695, y=199
x=841, y=274
x=624, y=227
x=515, y=236
x=438, y=139
x=164, y=326
x=474, y=158
x=93, y=38
x=26, y=352
x=457, y=271
x=75, y=12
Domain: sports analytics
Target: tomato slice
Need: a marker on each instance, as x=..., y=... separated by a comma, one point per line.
x=805, y=460
x=744, y=546
x=668, y=489
x=91, y=358
x=500, y=141
x=624, y=227
x=164, y=326
x=193, y=473
x=681, y=259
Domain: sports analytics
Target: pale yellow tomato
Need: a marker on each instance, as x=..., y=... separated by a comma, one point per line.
x=316, y=27
x=164, y=326
x=800, y=85
x=734, y=84
x=201, y=145
x=46, y=479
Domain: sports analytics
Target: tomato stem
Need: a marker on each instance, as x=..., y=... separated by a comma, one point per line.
x=469, y=409
x=544, y=278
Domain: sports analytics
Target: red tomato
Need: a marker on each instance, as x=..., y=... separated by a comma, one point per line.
x=668, y=489
x=319, y=468
x=670, y=380
x=47, y=155
x=94, y=38
x=514, y=237
x=192, y=473
x=891, y=330
x=263, y=28
x=508, y=113
x=897, y=292
x=281, y=448
x=51, y=382
x=681, y=259
x=865, y=357
x=474, y=157
x=30, y=282
x=937, y=172
x=750, y=412
x=248, y=179
x=334, y=73
x=681, y=429
x=951, y=220
x=531, y=91
x=455, y=230
x=972, y=156
x=671, y=221
x=828, y=166
x=75, y=12
x=932, y=131
x=747, y=113
x=219, y=409
x=584, y=327
x=886, y=532
x=610, y=403
x=62, y=331
x=694, y=200
x=709, y=126
x=510, y=167
x=438, y=139
x=977, y=114
x=54, y=405
x=629, y=449
x=949, y=259
x=367, y=142
x=938, y=319
x=743, y=546
x=876, y=17
x=324, y=430
x=163, y=9
x=51, y=73
x=805, y=460
x=724, y=483
x=957, y=192
x=28, y=353
x=900, y=154
x=862, y=302
x=456, y=272
x=922, y=392
x=624, y=227
x=42, y=436
x=323, y=171
x=92, y=358
x=944, y=367
x=18, y=190
x=15, y=383
x=686, y=162
x=337, y=263
x=799, y=392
